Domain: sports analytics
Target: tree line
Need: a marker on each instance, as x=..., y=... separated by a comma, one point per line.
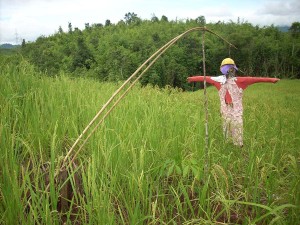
x=112, y=52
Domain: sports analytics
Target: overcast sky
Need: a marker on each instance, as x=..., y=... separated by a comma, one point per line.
x=29, y=19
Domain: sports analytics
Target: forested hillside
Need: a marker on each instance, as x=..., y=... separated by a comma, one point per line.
x=112, y=52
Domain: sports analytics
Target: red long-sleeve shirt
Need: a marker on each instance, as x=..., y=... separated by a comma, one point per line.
x=242, y=82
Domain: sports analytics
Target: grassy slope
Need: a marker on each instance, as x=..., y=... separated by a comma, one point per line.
x=146, y=163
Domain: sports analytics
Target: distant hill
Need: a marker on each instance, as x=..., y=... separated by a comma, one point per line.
x=8, y=46
x=283, y=28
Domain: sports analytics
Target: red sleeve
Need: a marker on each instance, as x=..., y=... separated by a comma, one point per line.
x=244, y=82
x=201, y=79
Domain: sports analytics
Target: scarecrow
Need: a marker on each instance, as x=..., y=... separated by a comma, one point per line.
x=230, y=90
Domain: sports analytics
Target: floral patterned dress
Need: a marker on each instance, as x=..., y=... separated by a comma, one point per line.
x=232, y=111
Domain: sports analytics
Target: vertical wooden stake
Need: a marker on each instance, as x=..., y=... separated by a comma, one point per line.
x=205, y=106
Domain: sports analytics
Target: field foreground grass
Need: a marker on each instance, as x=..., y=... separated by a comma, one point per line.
x=146, y=164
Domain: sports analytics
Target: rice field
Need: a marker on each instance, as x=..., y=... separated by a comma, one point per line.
x=147, y=162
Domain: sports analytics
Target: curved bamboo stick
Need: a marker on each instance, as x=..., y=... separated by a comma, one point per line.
x=156, y=55
x=117, y=101
x=153, y=57
x=110, y=100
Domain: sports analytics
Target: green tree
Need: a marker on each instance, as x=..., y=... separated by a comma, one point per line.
x=154, y=18
x=295, y=52
x=164, y=18
x=201, y=20
x=70, y=27
x=23, y=43
x=131, y=18
x=83, y=57
x=295, y=29
x=60, y=30
x=107, y=23
x=87, y=26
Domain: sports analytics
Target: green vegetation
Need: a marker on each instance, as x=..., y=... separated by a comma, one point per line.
x=112, y=52
x=146, y=163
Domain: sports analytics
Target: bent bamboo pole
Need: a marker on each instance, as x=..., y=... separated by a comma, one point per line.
x=153, y=57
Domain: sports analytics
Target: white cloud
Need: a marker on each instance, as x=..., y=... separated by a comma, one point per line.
x=280, y=8
x=32, y=18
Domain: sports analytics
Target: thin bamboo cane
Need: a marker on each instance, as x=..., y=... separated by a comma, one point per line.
x=156, y=55
x=160, y=51
x=166, y=46
x=113, y=96
x=117, y=101
x=205, y=104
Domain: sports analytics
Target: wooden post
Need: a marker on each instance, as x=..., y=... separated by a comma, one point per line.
x=205, y=106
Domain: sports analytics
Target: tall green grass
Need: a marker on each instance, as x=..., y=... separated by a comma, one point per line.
x=146, y=163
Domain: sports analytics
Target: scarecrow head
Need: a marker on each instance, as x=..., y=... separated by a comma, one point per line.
x=228, y=67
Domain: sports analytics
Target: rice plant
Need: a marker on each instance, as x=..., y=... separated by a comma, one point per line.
x=145, y=164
